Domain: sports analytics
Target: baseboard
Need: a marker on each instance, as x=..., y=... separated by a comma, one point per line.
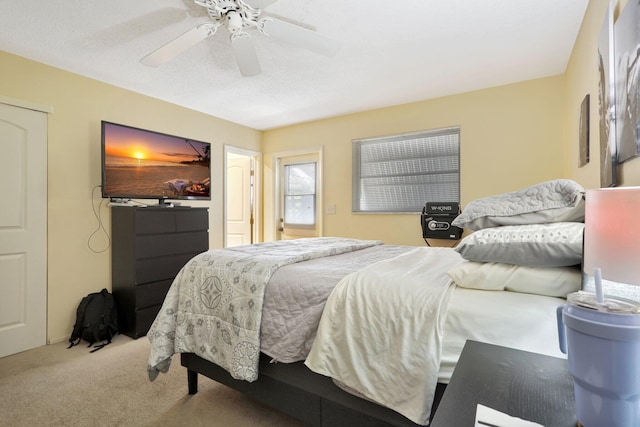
x=51, y=341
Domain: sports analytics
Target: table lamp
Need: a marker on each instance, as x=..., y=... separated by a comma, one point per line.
x=599, y=327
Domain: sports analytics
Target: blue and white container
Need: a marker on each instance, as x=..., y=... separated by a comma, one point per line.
x=602, y=343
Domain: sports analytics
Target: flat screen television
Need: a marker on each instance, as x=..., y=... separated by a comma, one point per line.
x=142, y=164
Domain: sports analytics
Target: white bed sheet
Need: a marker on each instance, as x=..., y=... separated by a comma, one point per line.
x=481, y=316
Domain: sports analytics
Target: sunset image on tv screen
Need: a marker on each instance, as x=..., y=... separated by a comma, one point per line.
x=145, y=164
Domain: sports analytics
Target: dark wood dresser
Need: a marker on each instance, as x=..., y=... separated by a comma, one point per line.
x=149, y=246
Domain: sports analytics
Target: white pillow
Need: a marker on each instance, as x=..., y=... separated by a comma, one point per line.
x=535, y=245
x=559, y=200
x=553, y=282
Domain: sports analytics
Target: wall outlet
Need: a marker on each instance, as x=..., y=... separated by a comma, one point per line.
x=331, y=209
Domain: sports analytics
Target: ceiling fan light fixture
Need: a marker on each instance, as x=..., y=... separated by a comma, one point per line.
x=234, y=22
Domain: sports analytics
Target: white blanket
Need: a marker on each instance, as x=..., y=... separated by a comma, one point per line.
x=381, y=330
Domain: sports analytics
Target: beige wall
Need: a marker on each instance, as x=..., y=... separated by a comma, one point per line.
x=511, y=136
x=582, y=79
x=79, y=105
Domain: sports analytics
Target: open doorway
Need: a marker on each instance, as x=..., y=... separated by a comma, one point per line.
x=242, y=199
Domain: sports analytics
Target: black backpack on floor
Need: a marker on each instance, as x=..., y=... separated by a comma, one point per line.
x=96, y=320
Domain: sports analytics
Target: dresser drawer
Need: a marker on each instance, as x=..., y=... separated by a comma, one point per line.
x=171, y=220
x=152, y=221
x=144, y=318
x=151, y=294
x=155, y=245
x=192, y=220
x=161, y=268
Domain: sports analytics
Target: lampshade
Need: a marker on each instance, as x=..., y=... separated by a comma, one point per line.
x=612, y=239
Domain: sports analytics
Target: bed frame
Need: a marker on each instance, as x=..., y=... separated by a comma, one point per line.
x=297, y=391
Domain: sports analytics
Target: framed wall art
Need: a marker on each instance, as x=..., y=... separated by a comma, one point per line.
x=583, y=132
x=627, y=73
x=606, y=98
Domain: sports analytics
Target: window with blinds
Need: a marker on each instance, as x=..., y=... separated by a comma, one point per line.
x=400, y=173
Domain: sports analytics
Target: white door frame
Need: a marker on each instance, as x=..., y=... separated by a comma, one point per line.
x=26, y=104
x=257, y=195
x=277, y=158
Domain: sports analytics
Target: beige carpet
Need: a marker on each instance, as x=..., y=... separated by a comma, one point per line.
x=53, y=386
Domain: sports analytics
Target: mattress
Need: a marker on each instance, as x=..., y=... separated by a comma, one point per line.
x=296, y=295
x=509, y=319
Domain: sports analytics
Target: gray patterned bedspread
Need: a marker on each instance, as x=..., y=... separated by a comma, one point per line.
x=214, y=306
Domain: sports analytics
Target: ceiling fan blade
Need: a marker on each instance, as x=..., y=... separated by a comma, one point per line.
x=299, y=36
x=260, y=4
x=245, y=55
x=194, y=9
x=179, y=45
x=137, y=27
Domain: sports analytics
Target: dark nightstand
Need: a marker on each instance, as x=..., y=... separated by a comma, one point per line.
x=527, y=385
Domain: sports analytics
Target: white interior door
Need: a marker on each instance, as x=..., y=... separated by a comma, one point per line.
x=240, y=193
x=242, y=196
x=23, y=229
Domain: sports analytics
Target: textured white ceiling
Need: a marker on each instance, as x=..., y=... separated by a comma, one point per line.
x=392, y=52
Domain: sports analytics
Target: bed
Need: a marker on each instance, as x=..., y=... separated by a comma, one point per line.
x=338, y=331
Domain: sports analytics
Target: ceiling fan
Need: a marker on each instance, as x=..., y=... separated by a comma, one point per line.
x=237, y=16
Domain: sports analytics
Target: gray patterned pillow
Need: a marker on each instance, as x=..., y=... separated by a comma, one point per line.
x=559, y=200
x=535, y=245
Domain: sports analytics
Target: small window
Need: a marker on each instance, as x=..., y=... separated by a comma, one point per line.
x=400, y=173
x=300, y=194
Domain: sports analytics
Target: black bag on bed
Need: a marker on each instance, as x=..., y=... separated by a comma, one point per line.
x=96, y=320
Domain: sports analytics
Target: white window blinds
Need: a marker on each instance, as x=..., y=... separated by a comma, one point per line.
x=400, y=173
